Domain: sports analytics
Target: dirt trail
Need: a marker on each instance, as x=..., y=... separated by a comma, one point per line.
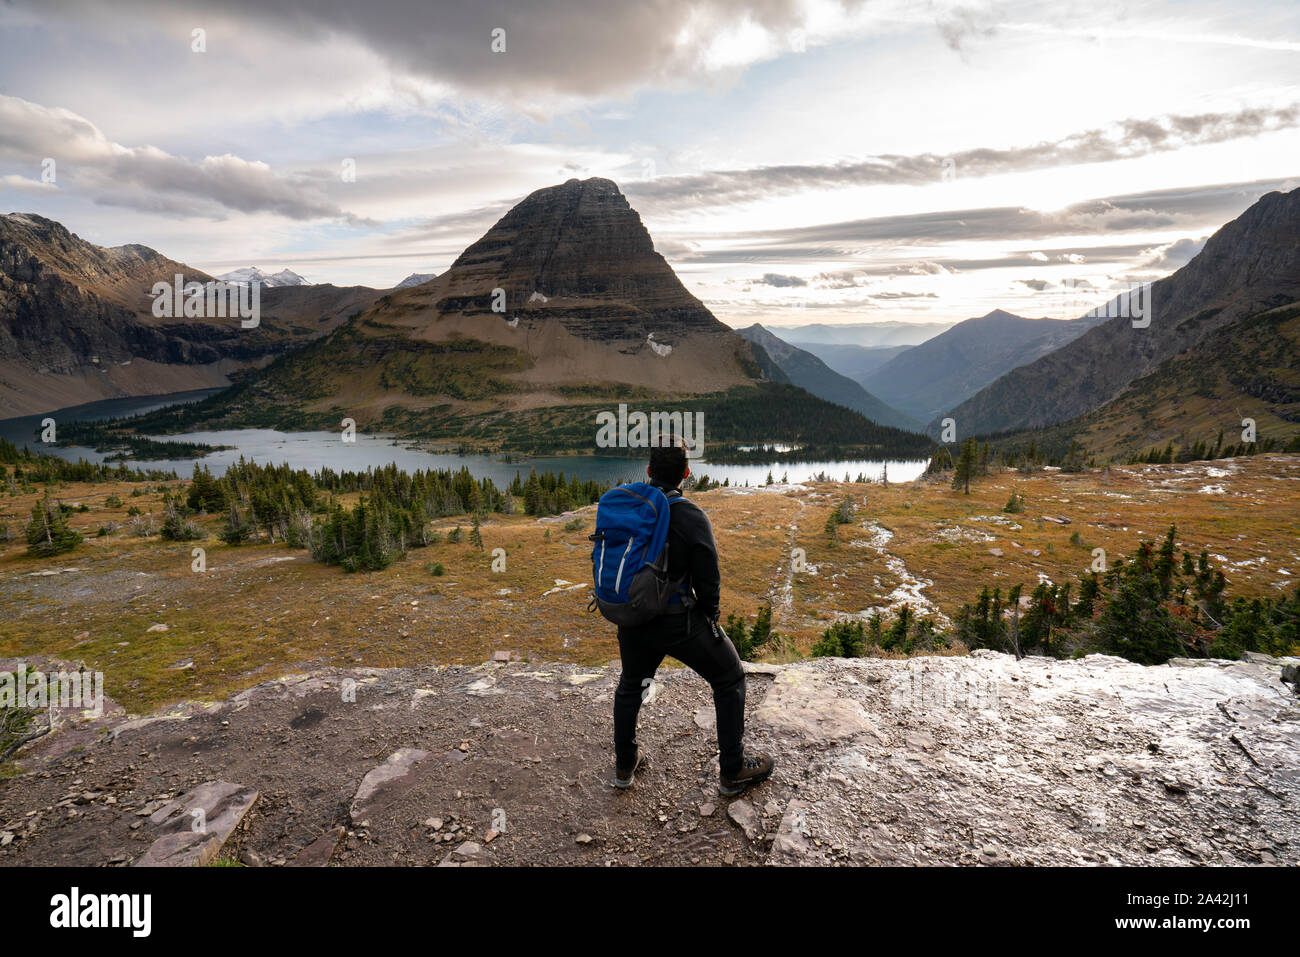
x=782, y=596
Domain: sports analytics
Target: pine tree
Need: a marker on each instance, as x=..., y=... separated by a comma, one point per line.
x=48, y=533
x=967, y=464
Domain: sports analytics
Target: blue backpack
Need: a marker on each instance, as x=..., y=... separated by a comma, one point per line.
x=629, y=554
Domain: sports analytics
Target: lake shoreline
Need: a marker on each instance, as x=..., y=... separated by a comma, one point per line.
x=314, y=450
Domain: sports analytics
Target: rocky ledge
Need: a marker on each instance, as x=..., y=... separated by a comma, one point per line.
x=980, y=760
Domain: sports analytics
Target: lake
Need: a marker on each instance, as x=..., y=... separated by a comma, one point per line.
x=316, y=450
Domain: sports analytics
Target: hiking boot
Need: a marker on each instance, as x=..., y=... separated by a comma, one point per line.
x=623, y=776
x=753, y=770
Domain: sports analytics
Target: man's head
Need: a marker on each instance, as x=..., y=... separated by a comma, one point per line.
x=668, y=466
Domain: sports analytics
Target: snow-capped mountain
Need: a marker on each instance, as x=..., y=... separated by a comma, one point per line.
x=284, y=277
x=416, y=279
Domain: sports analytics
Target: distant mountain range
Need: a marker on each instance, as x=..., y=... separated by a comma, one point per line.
x=1219, y=327
x=76, y=322
x=811, y=373
x=936, y=375
x=563, y=309
x=284, y=277
x=868, y=334
x=856, y=362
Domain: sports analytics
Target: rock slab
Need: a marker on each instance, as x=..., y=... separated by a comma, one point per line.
x=382, y=784
x=198, y=825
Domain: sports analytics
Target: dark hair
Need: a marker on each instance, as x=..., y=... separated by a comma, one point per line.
x=668, y=461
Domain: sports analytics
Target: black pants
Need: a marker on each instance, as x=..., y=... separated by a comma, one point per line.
x=708, y=653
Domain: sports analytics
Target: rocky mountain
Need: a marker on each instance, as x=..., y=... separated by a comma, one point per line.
x=811, y=373
x=285, y=277
x=1247, y=369
x=416, y=279
x=928, y=379
x=1249, y=267
x=563, y=308
x=76, y=322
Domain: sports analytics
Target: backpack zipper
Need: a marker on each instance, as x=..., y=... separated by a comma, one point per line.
x=618, y=580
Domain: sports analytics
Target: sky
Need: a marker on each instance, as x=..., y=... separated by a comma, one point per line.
x=795, y=161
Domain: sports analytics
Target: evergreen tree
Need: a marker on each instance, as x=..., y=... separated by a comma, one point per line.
x=967, y=463
x=48, y=532
x=843, y=639
x=205, y=492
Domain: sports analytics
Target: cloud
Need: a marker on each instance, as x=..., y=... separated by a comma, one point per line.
x=23, y=184
x=842, y=279
x=1175, y=255
x=1127, y=139
x=776, y=279
x=904, y=295
x=1038, y=285
x=1137, y=212
x=960, y=24
x=578, y=48
x=147, y=178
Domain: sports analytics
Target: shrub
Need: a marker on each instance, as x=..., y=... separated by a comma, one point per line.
x=17, y=725
x=843, y=639
x=179, y=528
x=141, y=526
x=236, y=530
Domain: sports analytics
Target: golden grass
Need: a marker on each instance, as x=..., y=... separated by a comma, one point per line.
x=261, y=611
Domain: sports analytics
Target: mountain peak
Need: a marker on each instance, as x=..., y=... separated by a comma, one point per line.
x=577, y=252
x=597, y=183
x=999, y=315
x=416, y=279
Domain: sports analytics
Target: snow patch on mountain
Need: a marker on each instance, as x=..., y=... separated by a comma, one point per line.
x=250, y=274
x=416, y=279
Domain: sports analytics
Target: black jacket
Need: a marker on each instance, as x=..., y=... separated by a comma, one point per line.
x=692, y=553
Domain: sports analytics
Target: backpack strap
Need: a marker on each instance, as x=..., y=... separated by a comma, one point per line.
x=679, y=597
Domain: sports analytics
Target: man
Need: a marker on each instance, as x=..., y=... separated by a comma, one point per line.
x=688, y=632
